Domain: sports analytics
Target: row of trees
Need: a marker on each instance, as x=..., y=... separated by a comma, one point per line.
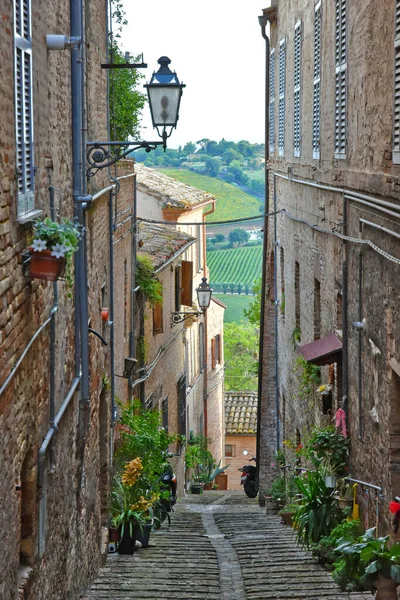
x=229, y=161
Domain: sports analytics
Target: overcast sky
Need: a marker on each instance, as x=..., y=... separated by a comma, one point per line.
x=217, y=50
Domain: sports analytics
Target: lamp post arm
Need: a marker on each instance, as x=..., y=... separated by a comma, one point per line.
x=100, y=155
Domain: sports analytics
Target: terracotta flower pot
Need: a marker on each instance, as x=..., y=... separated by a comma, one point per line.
x=345, y=502
x=386, y=589
x=46, y=267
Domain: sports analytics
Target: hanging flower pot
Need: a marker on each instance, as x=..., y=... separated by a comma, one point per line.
x=52, y=249
x=45, y=266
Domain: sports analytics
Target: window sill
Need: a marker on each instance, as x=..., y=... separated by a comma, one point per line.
x=30, y=216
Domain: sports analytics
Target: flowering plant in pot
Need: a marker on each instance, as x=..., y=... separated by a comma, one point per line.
x=53, y=247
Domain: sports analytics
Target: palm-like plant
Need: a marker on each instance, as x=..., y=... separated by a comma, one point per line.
x=317, y=512
x=121, y=511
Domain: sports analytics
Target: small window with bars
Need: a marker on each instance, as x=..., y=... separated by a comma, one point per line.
x=23, y=106
x=316, y=126
x=297, y=91
x=272, y=101
x=396, y=115
x=282, y=87
x=340, y=79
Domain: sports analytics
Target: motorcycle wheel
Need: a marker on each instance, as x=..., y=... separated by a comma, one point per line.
x=250, y=488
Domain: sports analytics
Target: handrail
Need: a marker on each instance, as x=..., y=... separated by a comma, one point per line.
x=365, y=484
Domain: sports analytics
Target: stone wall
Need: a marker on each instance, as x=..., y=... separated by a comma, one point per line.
x=239, y=443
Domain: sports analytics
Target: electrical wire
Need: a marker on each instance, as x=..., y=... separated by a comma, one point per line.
x=257, y=217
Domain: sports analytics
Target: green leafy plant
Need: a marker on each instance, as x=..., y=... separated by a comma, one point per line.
x=198, y=457
x=310, y=375
x=317, y=512
x=149, y=285
x=327, y=446
x=295, y=337
x=277, y=490
x=324, y=550
x=62, y=238
x=209, y=472
x=282, y=304
x=366, y=560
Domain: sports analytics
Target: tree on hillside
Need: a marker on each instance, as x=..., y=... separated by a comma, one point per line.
x=230, y=154
x=253, y=314
x=213, y=166
x=239, y=236
x=189, y=148
x=219, y=237
x=240, y=354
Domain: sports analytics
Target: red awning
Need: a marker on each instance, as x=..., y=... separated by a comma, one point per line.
x=325, y=351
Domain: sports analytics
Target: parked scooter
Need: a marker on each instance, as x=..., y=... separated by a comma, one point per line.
x=248, y=478
x=168, y=485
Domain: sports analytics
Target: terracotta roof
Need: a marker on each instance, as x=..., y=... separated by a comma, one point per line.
x=324, y=351
x=241, y=413
x=161, y=242
x=170, y=192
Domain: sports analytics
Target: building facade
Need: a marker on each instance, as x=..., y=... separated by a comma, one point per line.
x=333, y=246
x=240, y=433
x=57, y=351
x=198, y=400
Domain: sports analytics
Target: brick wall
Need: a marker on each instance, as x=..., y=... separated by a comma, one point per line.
x=239, y=443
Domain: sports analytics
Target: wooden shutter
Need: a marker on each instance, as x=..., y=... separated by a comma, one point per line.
x=396, y=116
x=282, y=88
x=178, y=288
x=181, y=389
x=157, y=318
x=23, y=105
x=297, y=91
x=187, y=283
x=213, y=355
x=272, y=101
x=316, y=130
x=340, y=80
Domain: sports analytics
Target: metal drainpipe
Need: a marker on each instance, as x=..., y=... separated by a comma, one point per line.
x=276, y=302
x=263, y=23
x=344, y=314
x=360, y=341
x=205, y=379
x=77, y=164
x=52, y=383
x=132, y=332
x=111, y=315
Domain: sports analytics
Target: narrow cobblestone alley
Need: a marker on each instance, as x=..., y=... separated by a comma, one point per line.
x=221, y=546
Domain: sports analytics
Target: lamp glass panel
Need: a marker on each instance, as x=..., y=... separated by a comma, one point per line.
x=204, y=298
x=164, y=102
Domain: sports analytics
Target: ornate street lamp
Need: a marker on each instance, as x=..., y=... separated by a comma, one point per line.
x=164, y=93
x=204, y=293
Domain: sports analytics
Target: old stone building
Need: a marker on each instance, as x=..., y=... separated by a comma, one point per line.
x=240, y=433
x=332, y=291
x=195, y=402
x=57, y=376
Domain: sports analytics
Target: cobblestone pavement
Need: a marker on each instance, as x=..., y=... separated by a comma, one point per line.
x=221, y=546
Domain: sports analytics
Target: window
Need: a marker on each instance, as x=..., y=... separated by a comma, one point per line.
x=396, y=116
x=186, y=295
x=230, y=450
x=340, y=80
x=157, y=318
x=272, y=101
x=297, y=294
x=164, y=413
x=181, y=389
x=317, y=309
x=297, y=91
x=282, y=84
x=283, y=299
x=23, y=107
x=316, y=127
x=215, y=351
x=201, y=347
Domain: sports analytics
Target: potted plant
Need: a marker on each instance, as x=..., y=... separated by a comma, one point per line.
x=371, y=563
x=287, y=512
x=53, y=247
x=124, y=517
x=209, y=472
x=345, y=495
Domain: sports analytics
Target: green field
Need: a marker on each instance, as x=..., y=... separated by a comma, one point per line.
x=232, y=202
x=235, y=305
x=259, y=175
x=235, y=265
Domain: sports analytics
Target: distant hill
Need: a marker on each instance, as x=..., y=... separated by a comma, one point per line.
x=234, y=267
x=232, y=202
